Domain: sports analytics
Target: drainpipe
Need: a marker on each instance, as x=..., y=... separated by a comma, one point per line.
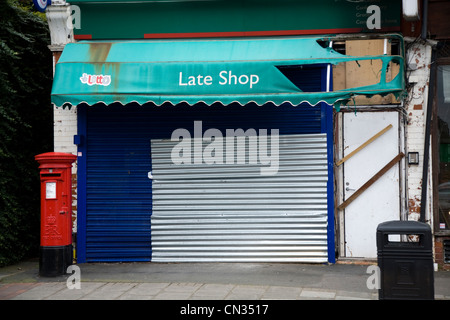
x=425, y=20
x=426, y=150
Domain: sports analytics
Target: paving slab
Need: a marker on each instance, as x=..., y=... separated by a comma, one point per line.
x=86, y=288
x=281, y=293
x=247, y=292
x=212, y=292
x=109, y=291
x=41, y=291
x=317, y=294
x=178, y=291
x=12, y=290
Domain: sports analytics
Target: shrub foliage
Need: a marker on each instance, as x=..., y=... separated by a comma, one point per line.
x=26, y=126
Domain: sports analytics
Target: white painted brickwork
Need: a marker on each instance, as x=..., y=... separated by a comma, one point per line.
x=418, y=72
x=65, y=127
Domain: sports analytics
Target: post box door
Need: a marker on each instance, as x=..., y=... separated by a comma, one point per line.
x=56, y=217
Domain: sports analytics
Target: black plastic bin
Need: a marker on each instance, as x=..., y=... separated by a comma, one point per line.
x=405, y=259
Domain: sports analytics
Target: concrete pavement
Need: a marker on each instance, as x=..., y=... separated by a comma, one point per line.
x=197, y=281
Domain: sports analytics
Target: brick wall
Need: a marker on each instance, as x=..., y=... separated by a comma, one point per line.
x=439, y=253
x=418, y=70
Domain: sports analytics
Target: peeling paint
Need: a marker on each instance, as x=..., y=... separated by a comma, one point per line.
x=414, y=205
x=419, y=56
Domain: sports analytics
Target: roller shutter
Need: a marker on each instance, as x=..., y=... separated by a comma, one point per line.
x=232, y=213
x=201, y=214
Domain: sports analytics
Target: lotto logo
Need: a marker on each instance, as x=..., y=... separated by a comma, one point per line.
x=96, y=79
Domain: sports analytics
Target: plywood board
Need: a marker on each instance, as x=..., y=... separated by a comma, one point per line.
x=367, y=72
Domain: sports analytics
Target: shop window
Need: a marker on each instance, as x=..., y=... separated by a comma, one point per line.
x=443, y=112
x=308, y=78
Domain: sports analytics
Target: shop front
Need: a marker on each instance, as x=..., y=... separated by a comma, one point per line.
x=207, y=150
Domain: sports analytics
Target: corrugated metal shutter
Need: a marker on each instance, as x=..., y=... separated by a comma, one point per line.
x=118, y=193
x=232, y=213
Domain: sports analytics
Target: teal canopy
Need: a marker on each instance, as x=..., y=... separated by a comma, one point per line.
x=208, y=70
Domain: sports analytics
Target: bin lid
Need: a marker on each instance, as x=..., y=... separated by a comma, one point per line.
x=403, y=226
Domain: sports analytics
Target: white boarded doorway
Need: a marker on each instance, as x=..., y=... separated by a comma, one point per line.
x=381, y=201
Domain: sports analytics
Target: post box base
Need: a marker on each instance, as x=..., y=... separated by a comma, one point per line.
x=53, y=261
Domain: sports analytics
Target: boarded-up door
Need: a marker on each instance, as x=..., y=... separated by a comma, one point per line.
x=381, y=201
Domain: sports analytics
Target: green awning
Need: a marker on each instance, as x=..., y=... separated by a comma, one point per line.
x=209, y=71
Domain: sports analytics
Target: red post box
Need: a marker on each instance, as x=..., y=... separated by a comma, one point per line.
x=56, y=252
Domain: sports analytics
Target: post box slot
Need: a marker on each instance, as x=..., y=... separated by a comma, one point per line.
x=50, y=174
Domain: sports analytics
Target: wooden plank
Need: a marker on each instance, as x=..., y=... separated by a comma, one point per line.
x=371, y=181
x=351, y=154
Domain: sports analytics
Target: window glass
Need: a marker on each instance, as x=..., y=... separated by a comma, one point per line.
x=443, y=103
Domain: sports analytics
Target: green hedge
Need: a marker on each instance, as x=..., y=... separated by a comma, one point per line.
x=26, y=126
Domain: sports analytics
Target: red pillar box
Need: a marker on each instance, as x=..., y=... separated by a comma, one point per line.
x=56, y=252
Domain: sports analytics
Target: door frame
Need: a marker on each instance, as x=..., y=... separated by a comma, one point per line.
x=339, y=172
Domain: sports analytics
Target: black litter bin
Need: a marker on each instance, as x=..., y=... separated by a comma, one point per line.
x=405, y=259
